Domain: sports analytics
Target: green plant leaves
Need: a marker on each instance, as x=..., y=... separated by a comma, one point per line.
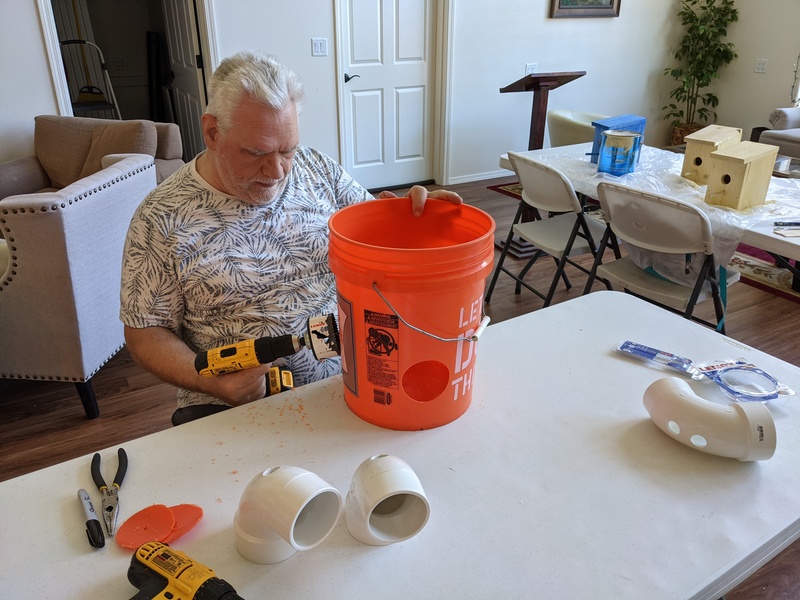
x=701, y=52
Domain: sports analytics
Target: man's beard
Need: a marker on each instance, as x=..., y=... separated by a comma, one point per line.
x=256, y=192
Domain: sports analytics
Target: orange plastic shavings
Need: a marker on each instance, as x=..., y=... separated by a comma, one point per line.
x=151, y=524
x=186, y=517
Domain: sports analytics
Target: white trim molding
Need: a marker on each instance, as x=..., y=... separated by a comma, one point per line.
x=53, y=47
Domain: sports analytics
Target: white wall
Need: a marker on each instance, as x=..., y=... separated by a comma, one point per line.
x=27, y=88
x=766, y=29
x=285, y=29
x=624, y=58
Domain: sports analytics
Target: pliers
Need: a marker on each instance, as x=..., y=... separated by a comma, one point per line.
x=110, y=495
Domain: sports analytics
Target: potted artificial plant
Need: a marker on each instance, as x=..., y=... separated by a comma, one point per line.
x=700, y=53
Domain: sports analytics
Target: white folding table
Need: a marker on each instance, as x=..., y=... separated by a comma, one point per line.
x=659, y=172
x=554, y=484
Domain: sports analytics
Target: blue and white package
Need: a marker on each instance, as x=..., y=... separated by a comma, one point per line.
x=667, y=359
x=743, y=381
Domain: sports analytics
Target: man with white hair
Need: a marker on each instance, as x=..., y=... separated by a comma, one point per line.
x=234, y=245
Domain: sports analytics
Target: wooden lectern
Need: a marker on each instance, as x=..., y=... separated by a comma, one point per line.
x=540, y=84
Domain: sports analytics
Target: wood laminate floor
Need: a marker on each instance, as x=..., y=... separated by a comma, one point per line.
x=42, y=424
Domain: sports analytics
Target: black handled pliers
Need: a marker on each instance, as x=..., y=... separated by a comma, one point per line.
x=110, y=495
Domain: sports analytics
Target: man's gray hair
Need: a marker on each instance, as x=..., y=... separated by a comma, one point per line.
x=259, y=76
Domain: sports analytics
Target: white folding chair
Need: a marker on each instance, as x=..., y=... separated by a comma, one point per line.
x=663, y=225
x=566, y=233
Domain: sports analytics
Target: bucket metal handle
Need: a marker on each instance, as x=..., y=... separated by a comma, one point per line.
x=473, y=338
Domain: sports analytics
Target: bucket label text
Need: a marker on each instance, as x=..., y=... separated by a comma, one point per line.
x=466, y=350
x=383, y=365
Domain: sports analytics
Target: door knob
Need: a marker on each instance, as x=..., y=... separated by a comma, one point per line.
x=347, y=77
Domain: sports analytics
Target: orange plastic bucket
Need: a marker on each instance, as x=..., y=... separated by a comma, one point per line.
x=402, y=282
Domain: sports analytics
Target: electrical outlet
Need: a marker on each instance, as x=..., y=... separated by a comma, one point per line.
x=530, y=68
x=761, y=65
x=119, y=63
x=319, y=46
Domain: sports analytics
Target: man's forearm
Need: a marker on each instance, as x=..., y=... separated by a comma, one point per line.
x=165, y=355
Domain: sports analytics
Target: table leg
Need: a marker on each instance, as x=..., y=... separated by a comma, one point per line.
x=792, y=266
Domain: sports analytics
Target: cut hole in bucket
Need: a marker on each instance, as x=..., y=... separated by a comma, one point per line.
x=426, y=380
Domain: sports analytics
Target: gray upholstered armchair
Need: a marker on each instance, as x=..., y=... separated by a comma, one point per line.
x=60, y=260
x=785, y=132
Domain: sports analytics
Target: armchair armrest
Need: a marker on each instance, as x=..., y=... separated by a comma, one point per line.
x=112, y=159
x=785, y=118
x=22, y=176
x=169, y=141
x=169, y=155
x=59, y=298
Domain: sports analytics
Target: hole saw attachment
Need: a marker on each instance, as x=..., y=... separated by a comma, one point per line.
x=321, y=337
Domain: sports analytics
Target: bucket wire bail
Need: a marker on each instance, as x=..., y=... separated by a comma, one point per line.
x=473, y=338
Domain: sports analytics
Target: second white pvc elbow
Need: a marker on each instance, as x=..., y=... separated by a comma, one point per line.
x=386, y=503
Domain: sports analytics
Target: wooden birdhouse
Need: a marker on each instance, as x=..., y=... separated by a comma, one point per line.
x=700, y=145
x=740, y=175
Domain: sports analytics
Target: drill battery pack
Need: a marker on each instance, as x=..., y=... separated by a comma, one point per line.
x=158, y=571
x=279, y=380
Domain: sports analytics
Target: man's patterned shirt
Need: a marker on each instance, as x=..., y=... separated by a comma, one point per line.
x=215, y=270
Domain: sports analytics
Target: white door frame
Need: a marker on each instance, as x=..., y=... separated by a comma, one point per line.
x=443, y=21
x=208, y=45
x=54, y=57
x=208, y=36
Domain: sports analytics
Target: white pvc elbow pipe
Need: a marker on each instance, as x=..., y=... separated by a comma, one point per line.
x=386, y=503
x=282, y=510
x=741, y=430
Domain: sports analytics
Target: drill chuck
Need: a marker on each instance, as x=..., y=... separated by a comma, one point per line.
x=270, y=348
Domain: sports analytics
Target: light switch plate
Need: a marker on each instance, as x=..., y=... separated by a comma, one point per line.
x=319, y=46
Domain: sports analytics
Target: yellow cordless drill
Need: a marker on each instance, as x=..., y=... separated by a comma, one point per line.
x=321, y=336
x=158, y=571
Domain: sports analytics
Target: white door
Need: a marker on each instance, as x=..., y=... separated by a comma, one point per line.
x=187, y=93
x=386, y=52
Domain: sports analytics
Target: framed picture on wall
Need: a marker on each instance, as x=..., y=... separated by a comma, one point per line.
x=583, y=8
